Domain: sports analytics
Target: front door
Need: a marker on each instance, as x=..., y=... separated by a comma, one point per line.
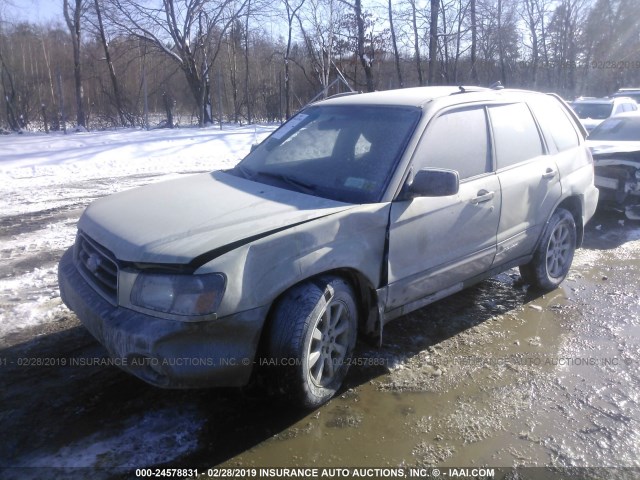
x=437, y=243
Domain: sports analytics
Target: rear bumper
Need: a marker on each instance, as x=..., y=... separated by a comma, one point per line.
x=166, y=353
x=619, y=186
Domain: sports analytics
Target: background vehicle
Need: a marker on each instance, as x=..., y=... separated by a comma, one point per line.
x=615, y=146
x=592, y=111
x=356, y=211
x=633, y=93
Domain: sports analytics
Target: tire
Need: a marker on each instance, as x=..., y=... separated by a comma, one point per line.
x=312, y=336
x=552, y=259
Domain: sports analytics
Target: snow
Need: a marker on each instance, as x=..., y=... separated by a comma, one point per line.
x=47, y=180
x=153, y=438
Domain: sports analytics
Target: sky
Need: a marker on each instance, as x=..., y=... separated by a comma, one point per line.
x=37, y=11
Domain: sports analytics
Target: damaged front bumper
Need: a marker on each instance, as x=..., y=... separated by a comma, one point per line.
x=619, y=185
x=166, y=353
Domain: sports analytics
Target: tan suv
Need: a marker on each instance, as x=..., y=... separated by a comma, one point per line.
x=356, y=211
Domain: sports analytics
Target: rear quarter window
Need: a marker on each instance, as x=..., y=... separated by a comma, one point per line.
x=554, y=121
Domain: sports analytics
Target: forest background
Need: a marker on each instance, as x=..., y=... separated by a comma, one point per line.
x=111, y=63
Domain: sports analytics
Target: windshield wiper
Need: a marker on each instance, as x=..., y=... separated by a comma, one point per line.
x=294, y=182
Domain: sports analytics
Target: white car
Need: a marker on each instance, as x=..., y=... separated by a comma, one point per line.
x=615, y=146
x=633, y=93
x=593, y=111
x=355, y=212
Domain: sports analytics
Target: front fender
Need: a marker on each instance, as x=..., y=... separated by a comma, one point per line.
x=260, y=271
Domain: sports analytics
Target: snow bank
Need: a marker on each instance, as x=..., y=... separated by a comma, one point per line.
x=47, y=180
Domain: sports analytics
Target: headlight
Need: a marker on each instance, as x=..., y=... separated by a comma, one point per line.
x=179, y=294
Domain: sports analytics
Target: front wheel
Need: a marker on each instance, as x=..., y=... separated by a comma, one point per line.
x=552, y=259
x=312, y=335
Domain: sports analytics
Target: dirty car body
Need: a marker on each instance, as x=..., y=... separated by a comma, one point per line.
x=356, y=211
x=615, y=146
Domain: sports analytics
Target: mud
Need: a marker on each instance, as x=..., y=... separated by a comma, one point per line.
x=498, y=375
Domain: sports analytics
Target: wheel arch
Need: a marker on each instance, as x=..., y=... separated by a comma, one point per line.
x=365, y=298
x=574, y=206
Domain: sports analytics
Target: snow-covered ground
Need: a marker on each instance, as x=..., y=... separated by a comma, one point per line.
x=45, y=183
x=47, y=180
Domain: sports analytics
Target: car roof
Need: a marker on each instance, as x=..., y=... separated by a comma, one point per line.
x=600, y=101
x=419, y=96
x=603, y=101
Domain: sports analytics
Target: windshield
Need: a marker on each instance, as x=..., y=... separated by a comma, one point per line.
x=596, y=111
x=618, y=129
x=345, y=153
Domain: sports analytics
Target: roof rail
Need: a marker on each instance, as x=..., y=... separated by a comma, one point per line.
x=343, y=94
x=468, y=89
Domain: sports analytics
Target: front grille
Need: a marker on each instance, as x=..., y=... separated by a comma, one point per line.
x=98, y=267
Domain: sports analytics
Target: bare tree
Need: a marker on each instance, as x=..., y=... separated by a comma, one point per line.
x=73, y=15
x=474, y=42
x=196, y=29
x=292, y=10
x=416, y=40
x=117, y=97
x=247, y=95
x=562, y=40
x=532, y=21
x=433, y=40
x=323, y=19
x=394, y=43
x=365, y=60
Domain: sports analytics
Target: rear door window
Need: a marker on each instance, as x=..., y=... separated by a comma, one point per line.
x=515, y=135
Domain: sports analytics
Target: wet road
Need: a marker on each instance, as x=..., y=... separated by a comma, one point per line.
x=496, y=376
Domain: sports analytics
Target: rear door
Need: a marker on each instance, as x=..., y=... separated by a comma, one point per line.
x=436, y=243
x=529, y=179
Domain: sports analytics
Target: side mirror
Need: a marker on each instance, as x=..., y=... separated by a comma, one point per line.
x=434, y=182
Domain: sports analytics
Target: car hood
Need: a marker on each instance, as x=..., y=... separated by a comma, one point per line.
x=590, y=123
x=605, y=150
x=197, y=217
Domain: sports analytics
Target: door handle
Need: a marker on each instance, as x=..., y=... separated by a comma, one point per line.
x=549, y=173
x=483, y=196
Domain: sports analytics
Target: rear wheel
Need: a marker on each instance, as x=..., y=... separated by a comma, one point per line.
x=313, y=333
x=554, y=255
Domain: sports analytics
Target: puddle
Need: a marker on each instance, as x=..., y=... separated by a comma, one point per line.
x=494, y=376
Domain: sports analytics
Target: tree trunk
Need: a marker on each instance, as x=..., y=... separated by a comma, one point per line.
x=395, y=46
x=247, y=95
x=444, y=46
x=433, y=40
x=112, y=73
x=287, y=82
x=503, y=68
x=291, y=15
x=73, y=23
x=474, y=42
x=416, y=42
x=168, y=108
x=364, y=60
x=9, y=95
